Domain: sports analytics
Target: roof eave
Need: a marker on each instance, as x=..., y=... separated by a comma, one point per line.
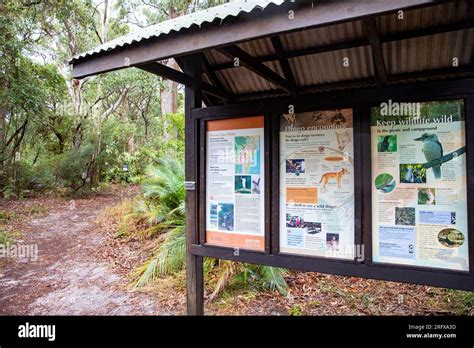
x=274, y=21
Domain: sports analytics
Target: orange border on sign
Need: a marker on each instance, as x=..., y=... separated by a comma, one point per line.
x=242, y=241
x=235, y=123
x=236, y=240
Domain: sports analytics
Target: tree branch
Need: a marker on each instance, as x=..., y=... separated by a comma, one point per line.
x=16, y=133
x=445, y=158
x=114, y=106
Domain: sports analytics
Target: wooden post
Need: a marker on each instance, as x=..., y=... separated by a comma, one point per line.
x=194, y=264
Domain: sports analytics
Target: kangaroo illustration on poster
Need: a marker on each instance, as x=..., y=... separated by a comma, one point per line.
x=343, y=138
x=333, y=175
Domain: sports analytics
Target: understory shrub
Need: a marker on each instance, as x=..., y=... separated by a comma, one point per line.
x=161, y=213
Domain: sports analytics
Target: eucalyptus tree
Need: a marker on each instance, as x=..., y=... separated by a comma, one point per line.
x=143, y=13
x=28, y=90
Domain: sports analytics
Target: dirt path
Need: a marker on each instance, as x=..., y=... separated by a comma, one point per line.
x=69, y=277
x=82, y=270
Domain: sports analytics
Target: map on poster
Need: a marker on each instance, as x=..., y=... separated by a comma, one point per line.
x=419, y=210
x=235, y=183
x=317, y=184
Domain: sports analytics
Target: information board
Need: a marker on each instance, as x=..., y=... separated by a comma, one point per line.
x=419, y=201
x=235, y=189
x=317, y=184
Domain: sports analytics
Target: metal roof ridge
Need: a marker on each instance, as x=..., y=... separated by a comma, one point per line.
x=231, y=9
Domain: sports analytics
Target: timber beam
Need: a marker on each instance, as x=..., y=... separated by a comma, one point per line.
x=184, y=79
x=211, y=74
x=255, y=66
x=377, y=53
x=283, y=60
x=446, y=73
x=399, y=36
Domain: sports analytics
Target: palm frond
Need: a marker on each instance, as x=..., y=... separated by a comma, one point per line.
x=170, y=257
x=273, y=278
x=162, y=210
x=227, y=271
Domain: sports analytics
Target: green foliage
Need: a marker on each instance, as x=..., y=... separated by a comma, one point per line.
x=71, y=167
x=233, y=275
x=6, y=216
x=441, y=108
x=89, y=128
x=5, y=239
x=174, y=127
x=467, y=298
x=22, y=178
x=168, y=259
x=162, y=211
x=461, y=301
x=34, y=93
x=165, y=187
x=135, y=164
x=272, y=278
x=156, y=11
x=296, y=310
x=54, y=129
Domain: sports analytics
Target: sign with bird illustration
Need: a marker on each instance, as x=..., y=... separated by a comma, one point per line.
x=419, y=186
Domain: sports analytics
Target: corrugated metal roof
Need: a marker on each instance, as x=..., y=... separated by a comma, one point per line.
x=328, y=67
x=221, y=12
x=342, y=32
x=214, y=57
x=428, y=52
x=425, y=17
x=241, y=80
x=320, y=71
x=431, y=52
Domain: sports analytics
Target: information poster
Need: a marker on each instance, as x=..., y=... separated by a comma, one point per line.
x=317, y=184
x=419, y=210
x=235, y=183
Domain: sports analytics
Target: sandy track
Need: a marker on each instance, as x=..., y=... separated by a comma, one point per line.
x=68, y=277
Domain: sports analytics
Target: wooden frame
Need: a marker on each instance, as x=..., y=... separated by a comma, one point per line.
x=372, y=32
x=276, y=180
x=194, y=263
x=360, y=101
x=267, y=180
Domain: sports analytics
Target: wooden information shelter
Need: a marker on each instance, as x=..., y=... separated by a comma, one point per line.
x=315, y=125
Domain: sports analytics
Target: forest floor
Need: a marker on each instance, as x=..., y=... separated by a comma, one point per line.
x=82, y=269
x=69, y=276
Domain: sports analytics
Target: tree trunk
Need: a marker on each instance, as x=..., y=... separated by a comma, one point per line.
x=105, y=23
x=169, y=92
x=169, y=97
x=76, y=97
x=169, y=89
x=3, y=113
x=98, y=115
